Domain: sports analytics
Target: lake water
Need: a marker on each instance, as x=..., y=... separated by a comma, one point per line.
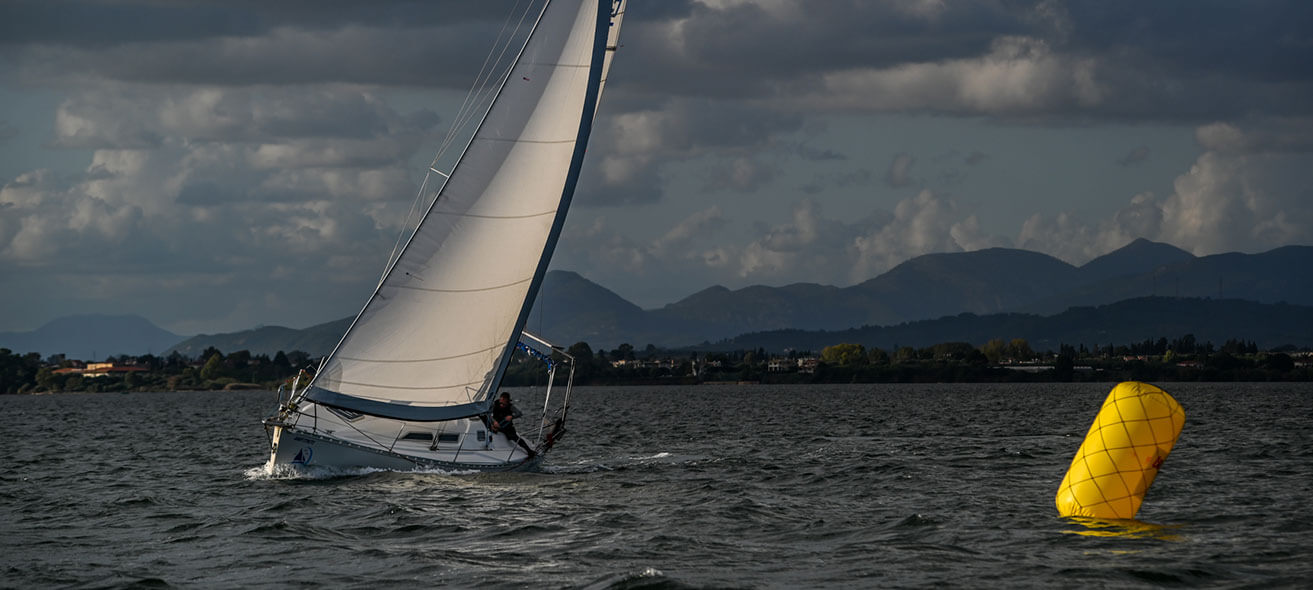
x=679, y=487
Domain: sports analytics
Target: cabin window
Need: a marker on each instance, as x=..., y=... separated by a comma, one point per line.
x=347, y=415
x=449, y=438
x=424, y=436
x=480, y=436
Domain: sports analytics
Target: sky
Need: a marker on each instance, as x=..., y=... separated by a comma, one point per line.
x=215, y=165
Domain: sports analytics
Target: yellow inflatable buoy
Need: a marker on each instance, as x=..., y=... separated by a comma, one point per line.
x=1130, y=438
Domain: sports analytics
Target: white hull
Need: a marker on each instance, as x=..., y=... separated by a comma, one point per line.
x=299, y=450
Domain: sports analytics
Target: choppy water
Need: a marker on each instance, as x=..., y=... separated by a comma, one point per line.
x=699, y=487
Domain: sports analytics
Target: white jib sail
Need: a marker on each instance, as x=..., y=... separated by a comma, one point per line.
x=433, y=339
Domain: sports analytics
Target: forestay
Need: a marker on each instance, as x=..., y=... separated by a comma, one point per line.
x=433, y=340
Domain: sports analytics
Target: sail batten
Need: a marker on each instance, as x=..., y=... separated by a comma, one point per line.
x=477, y=216
x=443, y=387
x=465, y=290
x=547, y=141
x=424, y=360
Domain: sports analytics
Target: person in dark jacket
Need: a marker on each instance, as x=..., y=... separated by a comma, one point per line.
x=503, y=415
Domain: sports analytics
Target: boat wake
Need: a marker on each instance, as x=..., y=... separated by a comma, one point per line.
x=623, y=463
x=646, y=578
x=286, y=472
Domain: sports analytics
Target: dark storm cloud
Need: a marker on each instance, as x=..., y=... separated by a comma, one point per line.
x=745, y=50
x=245, y=43
x=1262, y=40
x=96, y=23
x=1170, y=61
x=1165, y=60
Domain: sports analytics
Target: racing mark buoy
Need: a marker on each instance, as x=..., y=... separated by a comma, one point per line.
x=1126, y=445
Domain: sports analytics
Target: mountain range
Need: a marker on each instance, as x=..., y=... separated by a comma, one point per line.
x=1269, y=325
x=93, y=337
x=570, y=308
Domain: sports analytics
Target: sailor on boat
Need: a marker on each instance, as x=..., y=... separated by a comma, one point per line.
x=503, y=412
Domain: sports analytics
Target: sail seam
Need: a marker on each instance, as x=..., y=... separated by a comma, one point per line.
x=541, y=141
x=455, y=214
x=441, y=358
x=452, y=386
x=557, y=65
x=479, y=290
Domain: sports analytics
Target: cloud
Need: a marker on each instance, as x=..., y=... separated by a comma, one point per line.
x=815, y=248
x=1288, y=135
x=1033, y=60
x=598, y=245
x=293, y=43
x=1239, y=203
x=1247, y=192
x=924, y=224
x=635, y=146
x=231, y=145
x=252, y=185
x=1019, y=76
x=741, y=174
x=687, y=232
x=130, y=116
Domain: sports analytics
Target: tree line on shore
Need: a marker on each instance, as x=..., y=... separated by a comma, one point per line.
x=1182, y=359
x=998, y=360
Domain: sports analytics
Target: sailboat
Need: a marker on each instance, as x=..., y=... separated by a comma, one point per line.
x=411, y=383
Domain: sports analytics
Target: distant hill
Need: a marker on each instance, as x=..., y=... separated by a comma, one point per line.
x=1274, y=276
x=992, y=281
x=567, y=303
x=318, y=340
x=1267, y=324
x=983, y=281
x=570, y=308
x=92, y=337
x=1136, y=258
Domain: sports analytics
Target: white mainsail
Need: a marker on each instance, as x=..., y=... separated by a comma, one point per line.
x=433, y=340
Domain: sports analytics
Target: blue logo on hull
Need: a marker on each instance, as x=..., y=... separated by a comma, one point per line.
x=303, y=456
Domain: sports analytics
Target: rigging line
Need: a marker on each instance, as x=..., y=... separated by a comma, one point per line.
x=491, y=86
x=414, y=205
x=542, y=290
x=491, y=82
x=479, y=80
x=487, y=89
